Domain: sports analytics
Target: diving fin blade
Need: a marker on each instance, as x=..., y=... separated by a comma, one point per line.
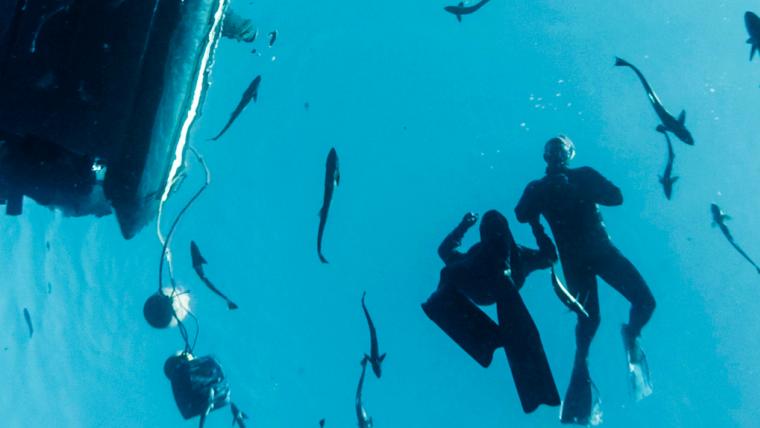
x=469, y=327
x=638, y=368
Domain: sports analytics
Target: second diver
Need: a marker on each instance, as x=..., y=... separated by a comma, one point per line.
x=492, y=271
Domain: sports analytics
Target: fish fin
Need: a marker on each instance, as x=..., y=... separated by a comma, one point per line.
x=661, y=179
x=459, y=17
x=661, y=128
x=382, y=357
x=461, y=4
x=323, y=259
x=682, y=117
x=232, y=306
x=337, y=177
x=256, y=96
x=750, y=41
x=674, y=179
x=752, y=51
x=620, y=62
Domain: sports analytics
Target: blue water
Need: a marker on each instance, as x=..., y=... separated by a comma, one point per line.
x=431, y=119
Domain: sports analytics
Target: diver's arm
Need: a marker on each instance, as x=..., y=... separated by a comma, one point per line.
x=527, y=209
x=601, y=190
x=533, y=259
x=546, y=247
x=447, y=251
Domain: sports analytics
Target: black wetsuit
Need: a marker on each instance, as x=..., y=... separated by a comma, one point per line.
x=488, y=274
x=569, y=199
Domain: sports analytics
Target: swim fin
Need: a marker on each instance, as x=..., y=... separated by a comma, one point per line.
x=582, y=405
x=525, y=353
x=638, y=368
x=474, y=331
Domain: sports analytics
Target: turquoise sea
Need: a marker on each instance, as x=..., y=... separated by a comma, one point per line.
x=431, y=118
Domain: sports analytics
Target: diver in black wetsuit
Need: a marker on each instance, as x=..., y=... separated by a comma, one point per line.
x=492, y=271
x=568, y=199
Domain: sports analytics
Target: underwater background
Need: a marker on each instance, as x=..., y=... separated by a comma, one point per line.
x=431, y=118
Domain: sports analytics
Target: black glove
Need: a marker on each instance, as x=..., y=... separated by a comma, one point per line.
x=468, y=221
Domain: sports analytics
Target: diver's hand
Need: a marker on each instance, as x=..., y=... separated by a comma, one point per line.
x=547, y=248
x=556, y=180
x=468, y=220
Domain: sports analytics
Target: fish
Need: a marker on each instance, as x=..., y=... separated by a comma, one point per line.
x=238, y=416
x=332, y=179
x=461, y=9
x=374, y=357
x=272, y=37
x=719, y=219
x=752, y=22
x=565, y=297
x=28, y=319
x=365, y=421
x=322, y=423
x=251, y=93
x=666, y=179
x=668, y=122
x=198, y=262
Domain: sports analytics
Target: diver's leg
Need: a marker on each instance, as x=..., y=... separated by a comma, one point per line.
x=578, y=404
x=622, y=275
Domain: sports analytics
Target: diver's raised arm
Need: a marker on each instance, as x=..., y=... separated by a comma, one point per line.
x=601, y=190
x=527, y=209
x=448, y=248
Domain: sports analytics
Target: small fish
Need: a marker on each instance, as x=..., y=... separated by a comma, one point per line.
x=251, y=93
x=272, y=37
x=47, y=245
x=719, y=219
x=752, y=22
x=461, y=9
x=238, y=416
x=667, y=180
x=28, y=319
x=668, y=122
x=374, y=357
x=321, y=423
x=565, y=297
x=365, y=421
x=332, y=179
x=198, y=262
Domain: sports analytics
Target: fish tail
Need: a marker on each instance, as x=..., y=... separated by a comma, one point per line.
x=620, y=62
